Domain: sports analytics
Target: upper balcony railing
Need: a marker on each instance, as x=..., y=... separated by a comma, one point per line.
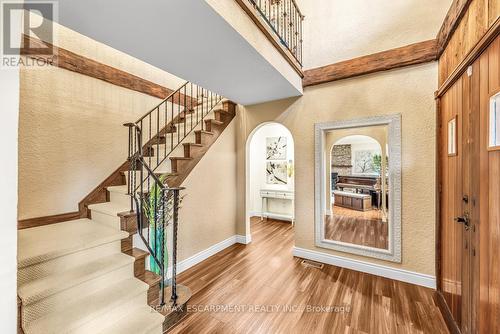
x=285, y=20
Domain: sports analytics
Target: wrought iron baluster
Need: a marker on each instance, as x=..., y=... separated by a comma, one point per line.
x=178, y=123
x=157, y=153
x=172, y=129
x=185, y=111
x=151, y=213
x=175, y=222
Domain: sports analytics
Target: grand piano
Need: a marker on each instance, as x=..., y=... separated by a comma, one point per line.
x=360, y=184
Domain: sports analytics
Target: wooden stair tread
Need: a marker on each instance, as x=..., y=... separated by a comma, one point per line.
x=192, y=144
x=150, y=278
x=170, y=174
x=180, y=158
x=126, y=214
x=214, y=121
x=203, y=131
x=223, y=110
x=136, y=253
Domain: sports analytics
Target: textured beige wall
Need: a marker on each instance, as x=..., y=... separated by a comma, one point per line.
x=406, y=91
x=70, y=131
x=208, y=210
x=336, y=30
x=70, y=137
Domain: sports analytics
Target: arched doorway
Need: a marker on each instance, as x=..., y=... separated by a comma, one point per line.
x=269, y=175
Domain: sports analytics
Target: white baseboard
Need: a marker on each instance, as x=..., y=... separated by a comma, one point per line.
x=205, y=254
x=244, y=239
x=428, y=281
x=271, y=215
x=254, y=213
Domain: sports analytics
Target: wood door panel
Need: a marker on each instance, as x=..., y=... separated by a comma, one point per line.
x=483, y=179
x=451, y=232
x=489, y=262
x=472, y=292
x=494, y=242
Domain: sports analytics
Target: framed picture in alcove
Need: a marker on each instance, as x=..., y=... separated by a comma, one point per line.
x=276, y=148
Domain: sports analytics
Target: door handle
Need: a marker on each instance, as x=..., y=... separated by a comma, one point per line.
x=464, y=220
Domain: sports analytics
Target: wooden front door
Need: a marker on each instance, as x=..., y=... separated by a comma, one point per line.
x=455, y=161
x=468, y=269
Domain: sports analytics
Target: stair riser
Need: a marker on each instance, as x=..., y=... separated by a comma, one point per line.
x=129, y=224
x=230, y=107
x=222, y=116
x=153, y=293
x=139, y=266
x=177, y=165
x=203, y=138
x=126, y=244
x=105, y=219
x=191, y=151
x=132, y=303
x=58, y=301
x=66, y=262
x=119, y=198
x=212, y=127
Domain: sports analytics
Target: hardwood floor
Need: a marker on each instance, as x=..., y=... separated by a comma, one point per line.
x=370, y=214
x=264, y=274
x=357, y=227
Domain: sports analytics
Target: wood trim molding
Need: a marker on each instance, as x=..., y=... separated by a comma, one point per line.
x=452, y=20
x=76, y=63
x=271, y=35
x=39, y=221
x=437, y=194
x=445, y=311
x=412, y=54
x=482, y=45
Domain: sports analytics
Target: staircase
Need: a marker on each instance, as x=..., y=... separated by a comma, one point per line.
x=85, y=275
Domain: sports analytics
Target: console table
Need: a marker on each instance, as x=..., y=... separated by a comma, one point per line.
x=267, y=194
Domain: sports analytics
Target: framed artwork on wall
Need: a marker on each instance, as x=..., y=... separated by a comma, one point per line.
x=276, y=172
x=276, y=148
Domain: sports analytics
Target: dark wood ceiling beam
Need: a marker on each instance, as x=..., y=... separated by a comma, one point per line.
x=76, y=63
x=412, y=54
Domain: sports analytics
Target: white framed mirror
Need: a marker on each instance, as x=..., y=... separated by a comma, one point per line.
x=358, y=186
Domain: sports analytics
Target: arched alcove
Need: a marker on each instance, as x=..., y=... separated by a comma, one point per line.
x=273, y=173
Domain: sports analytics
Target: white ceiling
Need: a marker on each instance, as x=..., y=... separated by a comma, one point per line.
x=184, y=37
